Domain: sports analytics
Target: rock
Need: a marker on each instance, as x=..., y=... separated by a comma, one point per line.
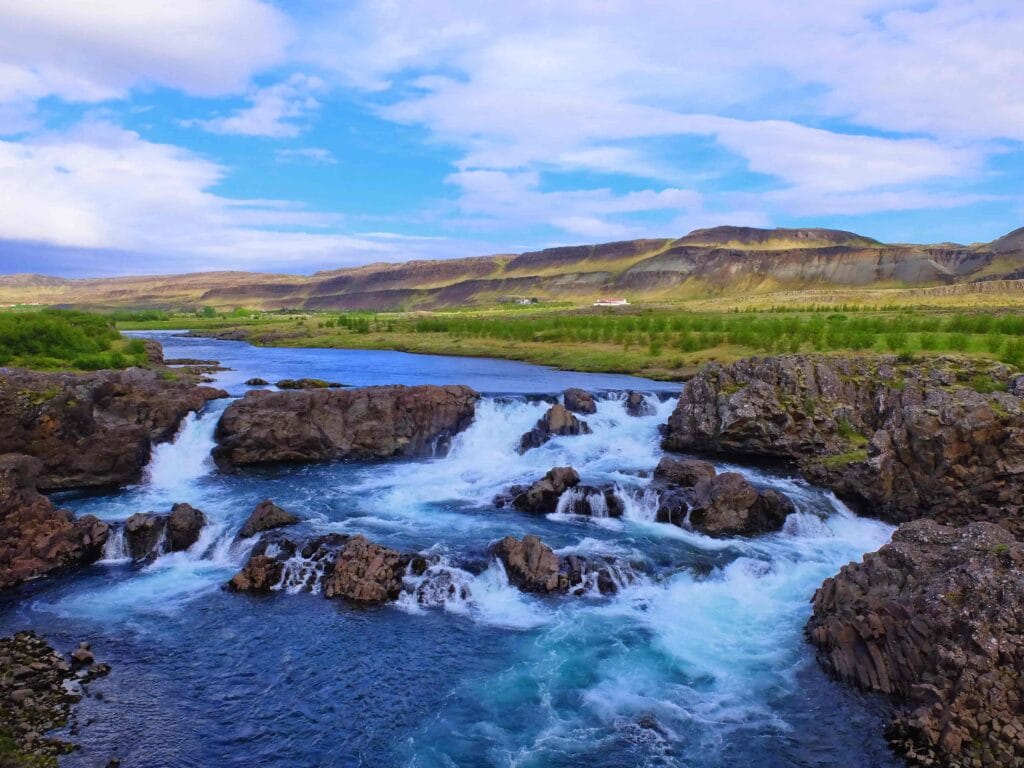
x=684, y=472
x=542, y=496
x=96, y=429
x=324, y=424
x=265, y=516
x=637, y=405
x=307, y=384
x=531, y=565
x=934, y=619
x=256, y=381
x=259, y=574
x=896, y=440
x=36, y=538
x=184, y=525
x=728, y=505
x=579, y=401
x=556, y=422
x=366, y=572
x=82, y=656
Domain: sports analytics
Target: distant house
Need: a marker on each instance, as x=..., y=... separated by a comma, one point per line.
x=611, y=302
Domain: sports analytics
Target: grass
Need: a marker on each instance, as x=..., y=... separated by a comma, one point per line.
x=661, y=342
x=57, y=340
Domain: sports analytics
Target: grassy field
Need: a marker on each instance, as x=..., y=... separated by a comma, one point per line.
x=658, y=342
x=54, y=340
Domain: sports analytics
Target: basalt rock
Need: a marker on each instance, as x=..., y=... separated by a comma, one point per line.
x=366, y=572
x=557, y=422
x=323, y=424
x=184, y=525
x=542, y=496
x=579, y=401
x=935, y=619
x=637, y=405
x=148, y=535
x=531, y=565
x=686, y=472
x=728, y=505
x=942, y=438
x=264, y=517
x=95, y=429
x=36, y=538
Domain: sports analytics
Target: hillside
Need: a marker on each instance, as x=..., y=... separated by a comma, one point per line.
x=706, y=263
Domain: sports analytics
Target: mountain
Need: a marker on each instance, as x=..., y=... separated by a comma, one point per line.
x=720, y=261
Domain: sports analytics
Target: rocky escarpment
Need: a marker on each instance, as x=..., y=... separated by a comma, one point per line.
x=936, y=619
x=941, y=438
x=323, y=424
x=38, y=687
x=36, y=538
x=96, y=429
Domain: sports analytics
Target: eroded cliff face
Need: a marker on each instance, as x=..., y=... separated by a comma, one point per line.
x=366, y=423
x=942, y=438
x=95, y=429
x=935, y=618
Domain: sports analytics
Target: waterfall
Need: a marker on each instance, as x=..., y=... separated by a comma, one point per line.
x=177, y=463
x=115, y=550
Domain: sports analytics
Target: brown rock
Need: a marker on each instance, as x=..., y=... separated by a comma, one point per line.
x=184, y=525
x=36, y=538
x=579, y=401
x=265, y=516
x=366, y=572
x=683, y=472
x=323, y=424
x=637, y=405
x=143, y=533
x=556, y=422
x=531, y=565
x=542, y=496
x=934, y=619
x=728, y=505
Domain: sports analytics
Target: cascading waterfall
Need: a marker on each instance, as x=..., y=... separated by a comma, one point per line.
x=178, y=463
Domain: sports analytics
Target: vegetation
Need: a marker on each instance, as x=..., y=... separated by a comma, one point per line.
x=662, y=342
x=53, y=339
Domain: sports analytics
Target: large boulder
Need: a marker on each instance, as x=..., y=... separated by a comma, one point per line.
x=324, y=424
x=686, y=472
x=557, y=422
x=542, y=496
x=934, y=619
x=184, y=525
x=531, y=565
x=579, y=401
x=942, y=438
x=728, y=505
x=36, y=538
x=148, y=535
x=95, y=429
x=366, y=572
x=637, y=405
x=266, y=516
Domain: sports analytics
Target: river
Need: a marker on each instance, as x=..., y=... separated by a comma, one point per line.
x=698, y=662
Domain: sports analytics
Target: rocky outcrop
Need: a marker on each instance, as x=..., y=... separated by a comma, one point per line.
x=307, y=384
x=728, y=505
x=38, y=687
x=542, y=496
x=324, y=424
x=685, y=472
x=365, y=572
x=934, y=619
x=557, y=422
x=942, y=438
x=637, y=405
x=579, y=401
x=264, y=517
x=36, y=538
x=96, y=429
x=148, y=535
x=532, y=566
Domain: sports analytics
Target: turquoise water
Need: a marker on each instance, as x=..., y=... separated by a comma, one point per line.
x=699, y=662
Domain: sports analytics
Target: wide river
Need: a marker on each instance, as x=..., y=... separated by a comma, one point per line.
x=699, y=662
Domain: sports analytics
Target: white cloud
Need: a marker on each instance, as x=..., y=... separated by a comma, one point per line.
x=315, y=155
x=276, y=111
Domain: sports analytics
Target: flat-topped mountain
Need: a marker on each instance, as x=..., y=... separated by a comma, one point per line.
x=720, y=261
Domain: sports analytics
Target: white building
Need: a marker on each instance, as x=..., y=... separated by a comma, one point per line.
x=612, y=302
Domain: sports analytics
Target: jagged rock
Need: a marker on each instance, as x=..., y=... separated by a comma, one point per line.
x=265, y=567
x=683, y=472
x=637, y=405
x=366, y=572
x=542, y=496
x=895, y=440
x=256, y=381
x=579, y=401
x=95, y=429
x=934, y=619
x=556, y=422
x=147, y=534
x=531, y=565
x=264, y=517
x=728, y=505
x=184, y=525
x=324, y=424
x=36, y=538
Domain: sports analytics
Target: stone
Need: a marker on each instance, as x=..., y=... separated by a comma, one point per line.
x=531, y=565
x=557, y=422
x=184, y=525
x=264, y=517
x=637, y=405
x=542, y=496
x=307, y=384
x=579, y=401
x=728, y=505
x=325, y=424
x=256, y=381
x=366, y=572
x=683, y=472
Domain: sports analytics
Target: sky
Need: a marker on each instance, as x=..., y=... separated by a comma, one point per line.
x=141, y=136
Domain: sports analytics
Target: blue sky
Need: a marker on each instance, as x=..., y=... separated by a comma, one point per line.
x=148, y=137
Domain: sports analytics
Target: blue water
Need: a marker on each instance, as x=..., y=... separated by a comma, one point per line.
x=699, y=662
